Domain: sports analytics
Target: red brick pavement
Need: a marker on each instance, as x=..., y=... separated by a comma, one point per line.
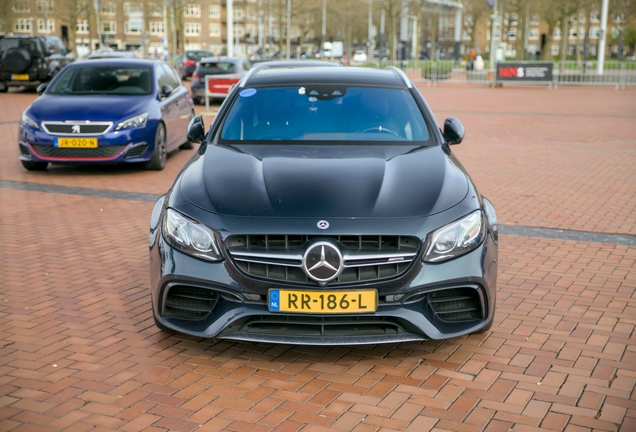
x=79, y=351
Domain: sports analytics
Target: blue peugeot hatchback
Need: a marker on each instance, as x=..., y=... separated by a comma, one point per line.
x=111, y=110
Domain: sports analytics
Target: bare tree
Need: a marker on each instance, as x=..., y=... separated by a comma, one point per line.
x=474, y=11
x=6, y=17
x=71, y=12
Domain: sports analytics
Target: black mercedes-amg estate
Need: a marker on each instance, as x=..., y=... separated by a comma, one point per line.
x=324, y=206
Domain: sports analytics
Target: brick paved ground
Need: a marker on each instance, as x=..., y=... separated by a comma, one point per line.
x=79, y=351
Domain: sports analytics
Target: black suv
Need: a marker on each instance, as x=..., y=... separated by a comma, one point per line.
x=31, y=60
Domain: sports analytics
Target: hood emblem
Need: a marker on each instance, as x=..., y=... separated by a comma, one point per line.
x=76, y=129
x=323, y=224
x=322, y=262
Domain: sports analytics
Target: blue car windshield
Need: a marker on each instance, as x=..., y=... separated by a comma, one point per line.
x=325, y=112
x=91, y=79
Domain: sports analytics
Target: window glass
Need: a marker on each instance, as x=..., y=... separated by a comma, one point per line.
x=107, y=80
x=171, y=76
x=216, y=68
x=325, y=112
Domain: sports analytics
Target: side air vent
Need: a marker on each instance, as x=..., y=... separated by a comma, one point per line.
x=189, y=303
x=456, y=305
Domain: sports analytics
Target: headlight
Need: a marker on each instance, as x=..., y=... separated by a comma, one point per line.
x=136, y=121
x=457, y=238
x=189, y=236
x=28, y=121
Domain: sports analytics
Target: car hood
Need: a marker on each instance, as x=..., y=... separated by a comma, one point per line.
x=303, y=181
x=95, y=108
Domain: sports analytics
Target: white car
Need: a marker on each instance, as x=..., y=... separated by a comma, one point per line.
x=359, y=56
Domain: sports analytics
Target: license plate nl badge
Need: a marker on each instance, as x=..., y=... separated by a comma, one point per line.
x=323, y=302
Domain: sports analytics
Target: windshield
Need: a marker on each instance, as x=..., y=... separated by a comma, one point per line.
x=198, y=54
x=325, y=113
x=87, y=79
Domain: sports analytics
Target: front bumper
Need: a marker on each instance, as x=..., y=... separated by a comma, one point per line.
x=225, y=304
x=130, y=145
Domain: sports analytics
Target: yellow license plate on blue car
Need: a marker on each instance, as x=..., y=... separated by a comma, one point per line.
x=323, y=302
x=76, y=143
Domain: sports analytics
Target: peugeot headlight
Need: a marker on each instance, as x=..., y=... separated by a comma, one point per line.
x=189, y=236
x=456, y=238
x=136, y=121
x=28, y=121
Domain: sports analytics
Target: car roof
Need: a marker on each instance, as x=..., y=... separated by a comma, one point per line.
x=120, y=61
x=262, y=75
x=219, y=59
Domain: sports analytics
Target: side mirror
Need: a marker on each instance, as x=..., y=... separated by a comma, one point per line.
x=42, y=87
x=196, y=130
x=166, y=89
x=453, y=130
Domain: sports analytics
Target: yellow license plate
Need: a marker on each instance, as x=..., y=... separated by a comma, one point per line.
x=20, y=77
x=76, y=143
x=323, y=302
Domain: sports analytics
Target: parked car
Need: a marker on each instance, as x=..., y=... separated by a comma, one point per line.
x=190, y=59
x=359, y=56
x=226, y=72
x=110, y=53
x=111, y=110
x=324, y=206
x=31, y=60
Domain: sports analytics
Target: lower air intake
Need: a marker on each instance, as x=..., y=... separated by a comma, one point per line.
x=456, y=305
x=189, y=303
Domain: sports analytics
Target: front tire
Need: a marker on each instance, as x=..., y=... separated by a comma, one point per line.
x=35, y=166
x=160, y=154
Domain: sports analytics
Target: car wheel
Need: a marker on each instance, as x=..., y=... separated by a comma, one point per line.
x=188, y=145
x=35, y=166
x=160, y=155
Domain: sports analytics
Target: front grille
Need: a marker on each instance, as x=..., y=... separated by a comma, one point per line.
x=76, y=128
x=189, y=303
x=312, y=326
x=366, y=258
x=79, y=153
x=455, y=305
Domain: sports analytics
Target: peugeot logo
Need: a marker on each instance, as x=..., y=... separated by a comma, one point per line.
x=322, y=262
x=323, y=224
x=76, y=129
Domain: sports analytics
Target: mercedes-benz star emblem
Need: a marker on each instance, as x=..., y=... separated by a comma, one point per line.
x=76, y=128
x=323, y=224
x=322, y=262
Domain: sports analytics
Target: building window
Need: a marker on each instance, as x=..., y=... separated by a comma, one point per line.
x=595, y=17
x=82, y=27
x=22, y=25
x=133, y=27
x=109, y=8
x=535, y=19
x=46, y=26
x=192, y=29
x=215, y=30
x=555, y=50
x=616, y=31
x=468, y=21
x=512, y=34
x=109, y=27
x=44, y=6
x=251, y=31
x=238, y=14
x=132, y=8
x=251, y=13
x=215, y=11
x=619, y=17
x=238, y=30
x=21, y=6
x=595, y=32
x=576, y=32
x=192, y=11
x=156, y=28
x=511, y=19
x=557, y=34
x=533, y=34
